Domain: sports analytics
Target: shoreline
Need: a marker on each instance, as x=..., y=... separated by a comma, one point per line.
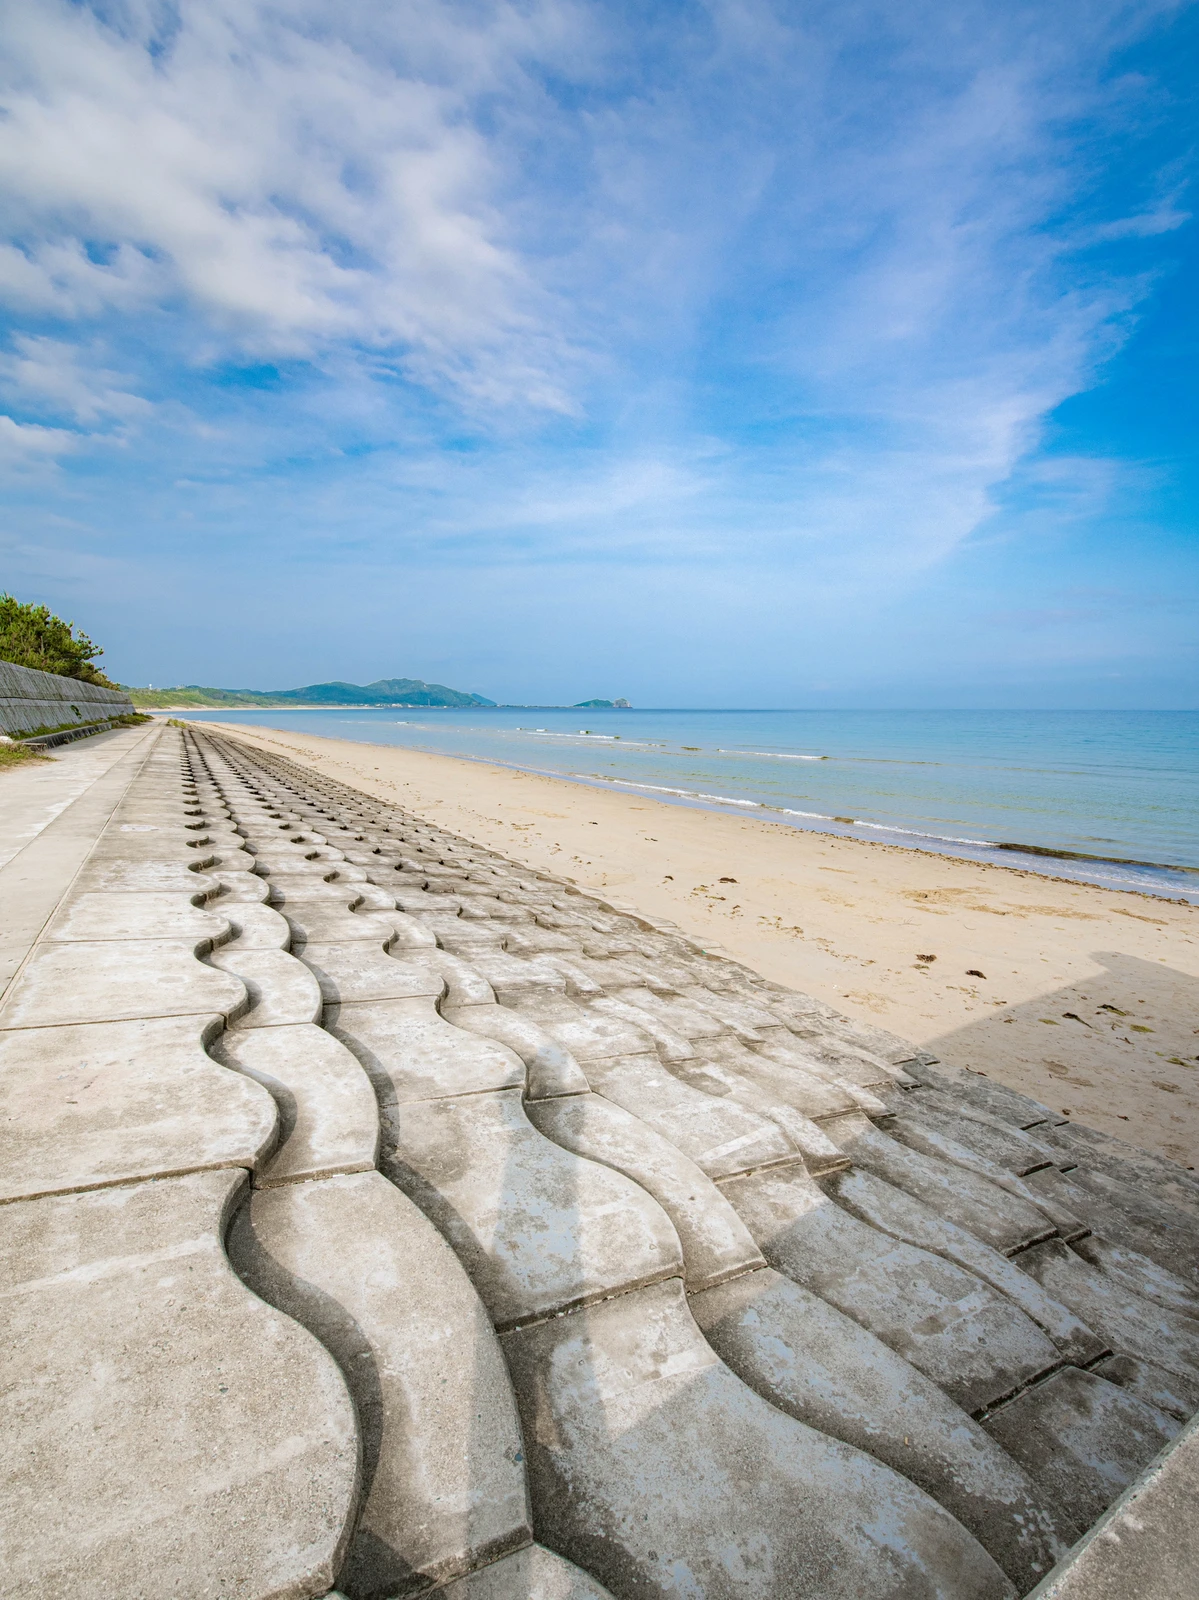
x=1157, y=879
x=1085, y=997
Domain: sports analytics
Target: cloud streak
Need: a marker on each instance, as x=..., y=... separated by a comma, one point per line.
x=732, y=286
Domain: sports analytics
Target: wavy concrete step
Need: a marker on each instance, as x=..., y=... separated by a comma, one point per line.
x=328, y=1116
x=360, y=970
x=1047, y=1197
x=533, y=1573
x=550, y=1069
x=894, y=1212
x=282, y=991
x=538, y=1229
x=716, y=1244
x=1127, y=1321
x=443, y=1479
x=822, y=1368
x=1163, y=1233
x=164, y=1426
x=712, y=1078
x=410, y=1053
x=994, y=1215
x=1073, y=1143
x=977, y=1346
x=88, y=1105
x=720, y=1136
x=659, y=1471
x=1082, y=1440
x=1138, y=1273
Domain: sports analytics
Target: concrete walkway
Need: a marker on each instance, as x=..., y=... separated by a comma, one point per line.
x=51, y=813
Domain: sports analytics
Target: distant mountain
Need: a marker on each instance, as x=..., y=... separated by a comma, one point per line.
x=384, y=692
x=601, y=705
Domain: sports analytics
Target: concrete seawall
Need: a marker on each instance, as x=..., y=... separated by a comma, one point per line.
x=31, y=699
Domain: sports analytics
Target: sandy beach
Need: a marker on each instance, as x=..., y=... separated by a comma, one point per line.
x=1085, y=998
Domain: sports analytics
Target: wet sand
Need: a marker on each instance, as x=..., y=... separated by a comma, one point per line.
x=1085, y=998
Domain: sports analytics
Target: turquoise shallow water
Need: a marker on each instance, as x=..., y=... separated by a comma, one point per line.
x=1120, y=785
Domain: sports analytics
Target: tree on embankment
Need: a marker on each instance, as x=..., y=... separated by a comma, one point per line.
x=32, y=636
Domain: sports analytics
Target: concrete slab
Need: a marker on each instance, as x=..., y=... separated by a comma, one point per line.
x=551, y=1070
x=164, y=1425
x=533, y=1573
x=716, y=1243
x=1127, y=1321
x=111, y=980
x=49, y=840
x=822, y=1368
x=1082, y=1439
x=411, y=1053
x=37, y=793
x=110, y=1102
x=537, y=1228
x=359, y=970
x=651, y=1463
x=969, y=1340
x=357, y=1264
x=281, y=989
x=894, y=1212
x=721, y=1137
x=328, y=1117
x=159, y=915
x=1147, y=1545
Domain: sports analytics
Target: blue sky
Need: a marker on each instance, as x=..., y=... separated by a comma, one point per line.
x=712, y=354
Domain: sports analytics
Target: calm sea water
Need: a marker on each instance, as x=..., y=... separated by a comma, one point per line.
x=1121, y=786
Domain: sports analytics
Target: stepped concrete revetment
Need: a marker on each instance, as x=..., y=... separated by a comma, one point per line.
x=385, y=1218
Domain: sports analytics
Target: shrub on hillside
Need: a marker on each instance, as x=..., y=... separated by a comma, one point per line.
x=32, y=636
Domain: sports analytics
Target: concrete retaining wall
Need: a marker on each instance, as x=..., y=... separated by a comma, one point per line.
x=30, y=699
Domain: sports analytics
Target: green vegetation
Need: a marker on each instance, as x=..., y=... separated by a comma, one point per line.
x=400, y=692
x=32, y=636
x=127, y=719
x=15, y=755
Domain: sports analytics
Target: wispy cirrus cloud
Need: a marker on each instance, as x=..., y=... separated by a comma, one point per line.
x=730, y=287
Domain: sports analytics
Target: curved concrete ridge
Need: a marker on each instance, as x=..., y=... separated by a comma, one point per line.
x=151, y=1398
x=532, y=1179
x=1147, y=1543
x=578, y=1117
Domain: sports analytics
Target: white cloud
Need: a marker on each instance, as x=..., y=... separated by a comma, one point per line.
x=765, y=287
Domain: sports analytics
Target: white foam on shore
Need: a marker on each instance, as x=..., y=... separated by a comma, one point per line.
x=683, y=794
x=769, y=755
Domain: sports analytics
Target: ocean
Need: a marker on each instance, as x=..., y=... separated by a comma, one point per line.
x=1103, y=797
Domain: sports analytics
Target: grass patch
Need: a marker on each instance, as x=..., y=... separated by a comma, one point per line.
x=16, y=755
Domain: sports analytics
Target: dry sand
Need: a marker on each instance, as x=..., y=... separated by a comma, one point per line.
x=1084, y=998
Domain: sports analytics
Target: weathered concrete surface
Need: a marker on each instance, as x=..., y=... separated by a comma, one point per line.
x=594, y=1114
x=533, y=1573
x=657, y=1470
x=369, y=1275
x=88, y=1105
x=1083, y=1439
x=51, y=817
x=716, y=1243
x=538, y=1229
x=117, y=980
x=328, y=1116
x=822, y=1368
x=165, y=1431
x=1147, y=1545
x=971, y=1341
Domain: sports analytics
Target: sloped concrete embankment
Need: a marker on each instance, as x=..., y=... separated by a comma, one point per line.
x=566, y=1259
x=31, y=699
